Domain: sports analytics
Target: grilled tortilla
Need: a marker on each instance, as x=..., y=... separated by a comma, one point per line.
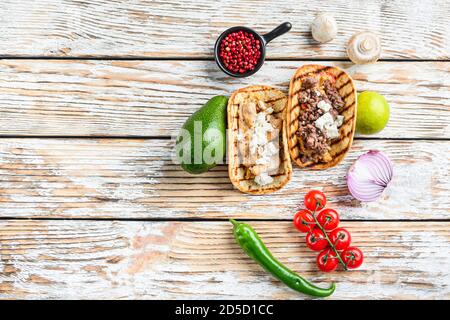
x=240, y=175
x=339, y=146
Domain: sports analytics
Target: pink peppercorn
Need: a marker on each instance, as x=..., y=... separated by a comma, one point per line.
x=240, y=52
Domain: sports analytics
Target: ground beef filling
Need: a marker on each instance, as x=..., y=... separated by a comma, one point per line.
x=314, y=139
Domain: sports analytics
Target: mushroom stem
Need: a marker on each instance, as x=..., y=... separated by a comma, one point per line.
x=364, y=47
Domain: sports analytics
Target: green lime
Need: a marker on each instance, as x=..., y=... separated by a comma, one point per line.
x=373, y=113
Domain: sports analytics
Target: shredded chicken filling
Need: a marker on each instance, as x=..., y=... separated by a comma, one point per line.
x=258, y=140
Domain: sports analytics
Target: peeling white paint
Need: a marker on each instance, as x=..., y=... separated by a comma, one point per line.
x=73, y=257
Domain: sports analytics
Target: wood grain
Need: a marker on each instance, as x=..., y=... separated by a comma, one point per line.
x=154, y=98
x=200, y=260
x=408, y=29
x=93, y=179
x=129, y=178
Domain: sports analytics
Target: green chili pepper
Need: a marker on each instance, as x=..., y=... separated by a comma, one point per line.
x=250, y=242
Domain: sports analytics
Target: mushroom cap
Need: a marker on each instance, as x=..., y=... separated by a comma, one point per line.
x=364, y=47
x=324, y=28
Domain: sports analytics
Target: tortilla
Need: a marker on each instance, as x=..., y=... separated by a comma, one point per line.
x=237, y=171
x=340, y=146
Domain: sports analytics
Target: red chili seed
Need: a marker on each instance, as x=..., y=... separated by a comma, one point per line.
x=240, y=51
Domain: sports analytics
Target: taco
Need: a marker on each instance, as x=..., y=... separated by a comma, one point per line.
x=258, y=156
x=321, y=116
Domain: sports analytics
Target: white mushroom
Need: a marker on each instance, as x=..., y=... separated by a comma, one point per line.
x=324, y=28
x=364, y=47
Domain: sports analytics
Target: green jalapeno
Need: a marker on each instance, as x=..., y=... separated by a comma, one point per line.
x=250, y=242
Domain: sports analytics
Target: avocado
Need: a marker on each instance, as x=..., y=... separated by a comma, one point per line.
x=201, y=143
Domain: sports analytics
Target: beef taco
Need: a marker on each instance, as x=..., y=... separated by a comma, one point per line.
x=258, y=156
x=321, y=116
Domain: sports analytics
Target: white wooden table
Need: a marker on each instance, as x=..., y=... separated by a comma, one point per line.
x=92, y=207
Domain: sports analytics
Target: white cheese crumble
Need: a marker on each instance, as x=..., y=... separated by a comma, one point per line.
x=272, y=148
x=323, y=120
x=326, y=122
x=325, y=106
x=269, y=110
x=260, y=146
x=339, y=120
x=332, y=131
x=260, y=129
x=263, y=179
x=266, y=152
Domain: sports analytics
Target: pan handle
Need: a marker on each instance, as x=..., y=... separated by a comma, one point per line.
x=278, y=31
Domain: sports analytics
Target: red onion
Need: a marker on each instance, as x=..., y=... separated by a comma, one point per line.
x=369, y=176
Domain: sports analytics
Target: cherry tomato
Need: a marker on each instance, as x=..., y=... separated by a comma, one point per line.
x=352, y=257
x=315, y=200
x=328, y=219
x=315, y=240
x=304, y=221
x=341, y=238
x=327, y=260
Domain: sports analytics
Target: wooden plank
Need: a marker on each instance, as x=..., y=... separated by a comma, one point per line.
x=167, y=260
x=137, y=179
x=408, y=29
x=154, y=98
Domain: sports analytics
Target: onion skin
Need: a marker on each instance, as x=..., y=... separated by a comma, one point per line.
x=369, y=176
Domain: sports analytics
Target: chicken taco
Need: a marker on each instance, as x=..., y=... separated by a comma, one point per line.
x=259, y=160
